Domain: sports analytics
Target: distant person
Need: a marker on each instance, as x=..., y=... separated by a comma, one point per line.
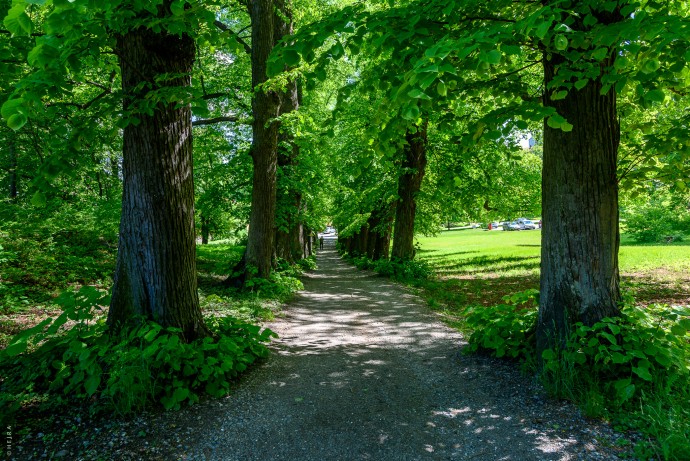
x=321, y=243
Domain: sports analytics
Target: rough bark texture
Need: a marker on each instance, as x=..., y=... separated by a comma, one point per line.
x=290, y=237
x=409, y=183
x=155, y=276
x=205, y=229
x=580, y=236
x=13, y=171
x=379, y=224
x=265, y=108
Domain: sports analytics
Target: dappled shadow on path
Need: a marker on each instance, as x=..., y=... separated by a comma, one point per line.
x=362, y=370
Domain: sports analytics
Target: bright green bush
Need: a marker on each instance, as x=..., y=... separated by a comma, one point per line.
x=144, y=366
x=397, y=269
x=656, y=222
x=505, y=330
x=643, y=350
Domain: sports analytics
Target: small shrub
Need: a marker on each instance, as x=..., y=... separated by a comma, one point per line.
x=405, y=270
x=505, y=330
x=656, y=222
x=643, y=350
x=144, y=366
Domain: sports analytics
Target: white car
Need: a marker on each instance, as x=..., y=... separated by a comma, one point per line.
x=527, y=224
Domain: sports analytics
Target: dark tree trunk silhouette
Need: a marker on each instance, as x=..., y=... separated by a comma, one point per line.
x=14, y=165
x=383, y=235
x=155, y=275
x=580, y=235
x=265, y=109
x=409, y=183
x=205, y=229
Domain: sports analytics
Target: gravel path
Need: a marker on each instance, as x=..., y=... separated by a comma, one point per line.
x=363, y=371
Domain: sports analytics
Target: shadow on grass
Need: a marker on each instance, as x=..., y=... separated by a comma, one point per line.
x=442, y=255
x=457, y=293
x=489, y=265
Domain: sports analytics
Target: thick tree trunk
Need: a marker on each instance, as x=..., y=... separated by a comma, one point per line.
x=580, y=236
x=382, y=243
x=290, y=204
x=265, y=108
x=155, y=276
x=373, y=223
x=205, y=230
x=409, y=183
x=362, y=240
x=13, y=170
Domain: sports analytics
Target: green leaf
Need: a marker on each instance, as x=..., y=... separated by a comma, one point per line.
x=542, y=29
x=16, y=348
x=411, y=112
x=92, y=383
x=441, y=89
x=16, y=121
x=655, y=95
x=560, y=42
x=493, y=57
x=180, y=394
x=643, y=373
x=291, y=57
x=650, y=66
x=177, y=7
x=600, y=54
x=39, y=199
x=416, y=93
x=555, y=121
x=17, y=21
x=580, y=84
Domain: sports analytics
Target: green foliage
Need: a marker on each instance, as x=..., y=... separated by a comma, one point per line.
x=308, y=263
x=642, y=351
x=48, y=249
x=505, y=330
x=144, y=366
x=655, y=222
x=404, y=270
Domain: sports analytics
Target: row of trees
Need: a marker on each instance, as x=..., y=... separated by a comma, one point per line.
x=568, y=63
x=406, y=113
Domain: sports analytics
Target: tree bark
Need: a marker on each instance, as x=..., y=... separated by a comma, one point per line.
x=155, y=275
x=409, y=183
x=205, y=229
x=14, y=164
x=290, y=208
x=382, y=243
x=265, y=109
x=580, y=235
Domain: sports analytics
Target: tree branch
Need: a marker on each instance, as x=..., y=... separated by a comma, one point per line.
x=212, y=121
x=240, y=40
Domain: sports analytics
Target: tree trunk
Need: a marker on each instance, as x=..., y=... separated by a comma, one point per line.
x=155, y=276
x=580, y=236
x=205, y=229
x=409, y=183
x=265, y=108
x=382, y=244
x=372, y=223
x=13, y=170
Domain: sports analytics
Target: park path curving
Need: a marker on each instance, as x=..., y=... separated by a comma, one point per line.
x=364, y=371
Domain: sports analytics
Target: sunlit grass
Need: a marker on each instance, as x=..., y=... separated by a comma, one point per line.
x=481, y=266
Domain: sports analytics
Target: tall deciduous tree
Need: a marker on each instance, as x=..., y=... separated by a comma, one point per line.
x=580, y=235
x=156, y=265
x=409, y=183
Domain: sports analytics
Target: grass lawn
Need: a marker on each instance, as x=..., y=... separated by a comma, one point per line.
x=479, y=267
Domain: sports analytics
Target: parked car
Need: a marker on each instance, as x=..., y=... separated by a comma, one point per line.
x=527, y=225
x=513, y=226
x=494, y=225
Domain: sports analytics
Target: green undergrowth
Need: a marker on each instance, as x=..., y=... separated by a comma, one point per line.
x=72, y=359
x=633, y=369
x=403, y=270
